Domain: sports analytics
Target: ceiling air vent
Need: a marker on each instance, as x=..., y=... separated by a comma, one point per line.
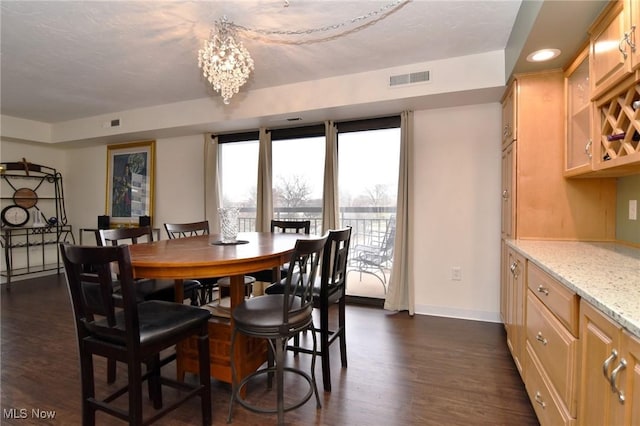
x=111, y=123
x=414, y=77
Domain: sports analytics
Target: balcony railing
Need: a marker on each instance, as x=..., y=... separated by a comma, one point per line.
x=368, y=225
x=366, y=222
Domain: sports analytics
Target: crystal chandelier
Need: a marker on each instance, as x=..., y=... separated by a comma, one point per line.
x=225, y=63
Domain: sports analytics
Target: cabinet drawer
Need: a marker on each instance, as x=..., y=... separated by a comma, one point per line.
x=560, y=300
x=548, y=408
x=555, y=348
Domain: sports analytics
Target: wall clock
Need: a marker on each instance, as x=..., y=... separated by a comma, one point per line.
x=15, y=215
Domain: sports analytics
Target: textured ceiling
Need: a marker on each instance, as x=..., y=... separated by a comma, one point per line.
x=63, y=60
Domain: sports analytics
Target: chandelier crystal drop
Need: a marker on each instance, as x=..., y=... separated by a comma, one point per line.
x=225, y=63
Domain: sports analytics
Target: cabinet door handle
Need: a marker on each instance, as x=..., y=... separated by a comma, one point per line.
x=543, y=290
x=587, y=149
x=539, y=399
x=621, y=47
x=505, y=195
x=614, y=376
x=514, y=269
x=607, y=362
x=540, y=338
x=628, y=37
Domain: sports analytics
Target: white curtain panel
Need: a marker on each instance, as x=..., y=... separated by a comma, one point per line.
x=212, y=194
x=330, y=206
x=401, y=292
x=264, y=195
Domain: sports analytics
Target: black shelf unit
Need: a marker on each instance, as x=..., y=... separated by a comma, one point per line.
x=44, y=199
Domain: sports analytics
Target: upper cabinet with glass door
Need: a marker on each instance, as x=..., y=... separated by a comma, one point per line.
x=614, y=63
x=613, y=52
x=578, y=148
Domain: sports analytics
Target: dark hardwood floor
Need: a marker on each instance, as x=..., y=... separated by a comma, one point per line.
x=402, y=371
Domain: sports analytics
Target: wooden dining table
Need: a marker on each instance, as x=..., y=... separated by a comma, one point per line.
x=206, y=256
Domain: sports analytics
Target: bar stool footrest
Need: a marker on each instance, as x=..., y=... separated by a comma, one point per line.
x=267, y=370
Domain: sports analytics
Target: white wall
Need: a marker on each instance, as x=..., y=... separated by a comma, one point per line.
x=456, y=200
x=456, y=211
x=179, y=182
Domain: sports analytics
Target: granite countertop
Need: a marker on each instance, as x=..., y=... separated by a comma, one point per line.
x=607, y=275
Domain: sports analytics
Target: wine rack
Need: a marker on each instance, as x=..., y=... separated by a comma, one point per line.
x=620, y=129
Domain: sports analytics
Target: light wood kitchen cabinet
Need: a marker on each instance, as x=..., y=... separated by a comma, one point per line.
x=613, y=54
x=504, y=270
x=579, y=142
x=509, y=114
x=630, y=382
x=514, y=291
x=617, y=130
x=552, y=348
x=602, y=127
x=542, y=203
x=609, y=371
x=509, y=190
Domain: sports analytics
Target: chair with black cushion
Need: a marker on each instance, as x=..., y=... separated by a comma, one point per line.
x=329, y=289
x=277, y=318
x=291, y=226
x=134, y=334
x=192, y=229
x=146, y=289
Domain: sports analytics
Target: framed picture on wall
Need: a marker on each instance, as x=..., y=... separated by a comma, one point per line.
x=130, y=176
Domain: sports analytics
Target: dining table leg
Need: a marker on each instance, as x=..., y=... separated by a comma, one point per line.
x=179, y=290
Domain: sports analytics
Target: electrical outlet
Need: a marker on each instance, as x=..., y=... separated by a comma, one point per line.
x=633, y=209
x=456, y=273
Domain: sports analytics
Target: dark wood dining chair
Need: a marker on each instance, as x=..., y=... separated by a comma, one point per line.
x=146, y=289
x=329, y=290
x=277, y=318
x=290, y=226
x=134, y=334
x=193, y=229
x=296, y=226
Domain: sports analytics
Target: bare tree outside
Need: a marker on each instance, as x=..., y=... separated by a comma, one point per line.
x=292, y=191
x=377, y=195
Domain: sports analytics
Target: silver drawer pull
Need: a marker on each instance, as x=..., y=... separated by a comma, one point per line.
x=540, y=338
x=614, y=377
x=539, y=400
x=543, y=290
x=607, y=362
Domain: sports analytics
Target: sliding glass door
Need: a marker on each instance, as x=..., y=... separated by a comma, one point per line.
x=368, y=184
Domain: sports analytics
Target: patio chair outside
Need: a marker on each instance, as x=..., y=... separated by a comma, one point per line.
x=377, y=256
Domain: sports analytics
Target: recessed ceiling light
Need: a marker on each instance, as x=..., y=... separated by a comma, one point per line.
x=543, y=55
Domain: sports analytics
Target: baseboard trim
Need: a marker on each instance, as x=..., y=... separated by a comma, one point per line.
x=366, y=301
x=466, y=314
